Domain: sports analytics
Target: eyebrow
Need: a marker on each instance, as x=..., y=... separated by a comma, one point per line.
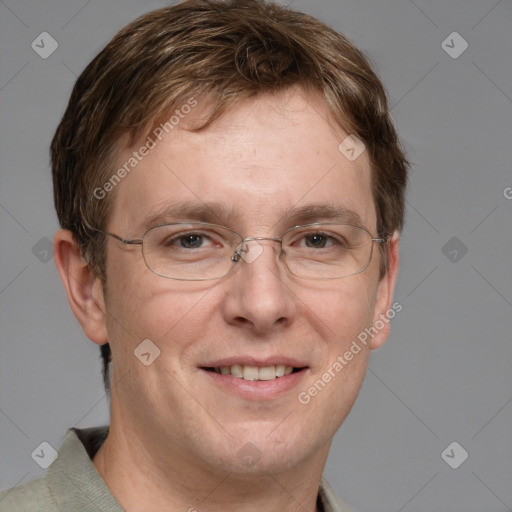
x=212, y=212
x=311, y=213
x=221, y=213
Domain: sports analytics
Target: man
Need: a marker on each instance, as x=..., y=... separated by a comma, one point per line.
x=230, y=190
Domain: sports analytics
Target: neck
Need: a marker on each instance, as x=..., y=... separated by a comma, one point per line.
x=143, y=478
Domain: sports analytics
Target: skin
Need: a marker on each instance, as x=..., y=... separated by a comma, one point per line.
x=175, y=435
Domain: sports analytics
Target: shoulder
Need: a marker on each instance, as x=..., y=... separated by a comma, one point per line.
x=30, y=497
x=71, y=482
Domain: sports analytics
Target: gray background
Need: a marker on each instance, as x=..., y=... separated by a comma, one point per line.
x=444, y=375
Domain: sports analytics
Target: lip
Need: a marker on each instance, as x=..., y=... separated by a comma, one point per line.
x=254, y=361
x=257, y=390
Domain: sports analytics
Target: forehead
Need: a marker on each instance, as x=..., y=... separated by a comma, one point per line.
x=268, y=162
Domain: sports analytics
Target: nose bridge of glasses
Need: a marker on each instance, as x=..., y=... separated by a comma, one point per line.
x=257, y=239
x=251, y=248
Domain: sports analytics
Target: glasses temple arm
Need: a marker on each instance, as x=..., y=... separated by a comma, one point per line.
x=127, y=241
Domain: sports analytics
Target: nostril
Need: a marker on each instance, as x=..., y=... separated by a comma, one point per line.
x=240, y=320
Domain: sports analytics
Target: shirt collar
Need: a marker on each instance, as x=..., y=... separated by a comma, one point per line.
x=76, y=484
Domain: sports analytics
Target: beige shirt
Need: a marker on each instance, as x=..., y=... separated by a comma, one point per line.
x=72, y=483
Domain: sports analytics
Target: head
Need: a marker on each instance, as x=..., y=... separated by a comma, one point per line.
x=241, y=107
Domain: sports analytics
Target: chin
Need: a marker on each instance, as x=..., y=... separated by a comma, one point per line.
x=263, y=453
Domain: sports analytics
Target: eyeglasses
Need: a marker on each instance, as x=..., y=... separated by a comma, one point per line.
x=200, y=251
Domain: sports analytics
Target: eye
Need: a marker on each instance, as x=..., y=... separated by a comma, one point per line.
x=190, y=241
x=322, y=240
x=317, y=240
x=336, y=239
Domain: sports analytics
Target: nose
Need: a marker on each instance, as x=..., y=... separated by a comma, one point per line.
x=258, y=295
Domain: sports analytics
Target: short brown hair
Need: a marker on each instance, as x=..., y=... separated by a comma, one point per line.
x=235, y=49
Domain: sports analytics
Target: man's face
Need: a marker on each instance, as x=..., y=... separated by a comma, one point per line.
x=267, y=156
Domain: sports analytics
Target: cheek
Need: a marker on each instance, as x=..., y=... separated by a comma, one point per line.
x=340, y=310
x=339, y=315
x=142, y=305
x=173, y=319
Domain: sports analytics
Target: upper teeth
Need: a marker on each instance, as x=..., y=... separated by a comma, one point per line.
x=248, y=372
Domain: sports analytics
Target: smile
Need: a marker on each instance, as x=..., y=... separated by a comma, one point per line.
x=256, y=378
x=249, y=372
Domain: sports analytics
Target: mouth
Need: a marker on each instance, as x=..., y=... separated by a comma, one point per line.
x=254, y=378
x=255, y=373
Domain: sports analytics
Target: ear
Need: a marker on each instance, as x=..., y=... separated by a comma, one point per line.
x=83, y=289
x=384, y=307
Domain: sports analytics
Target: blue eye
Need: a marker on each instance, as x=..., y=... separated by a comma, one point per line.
x=192, y=241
